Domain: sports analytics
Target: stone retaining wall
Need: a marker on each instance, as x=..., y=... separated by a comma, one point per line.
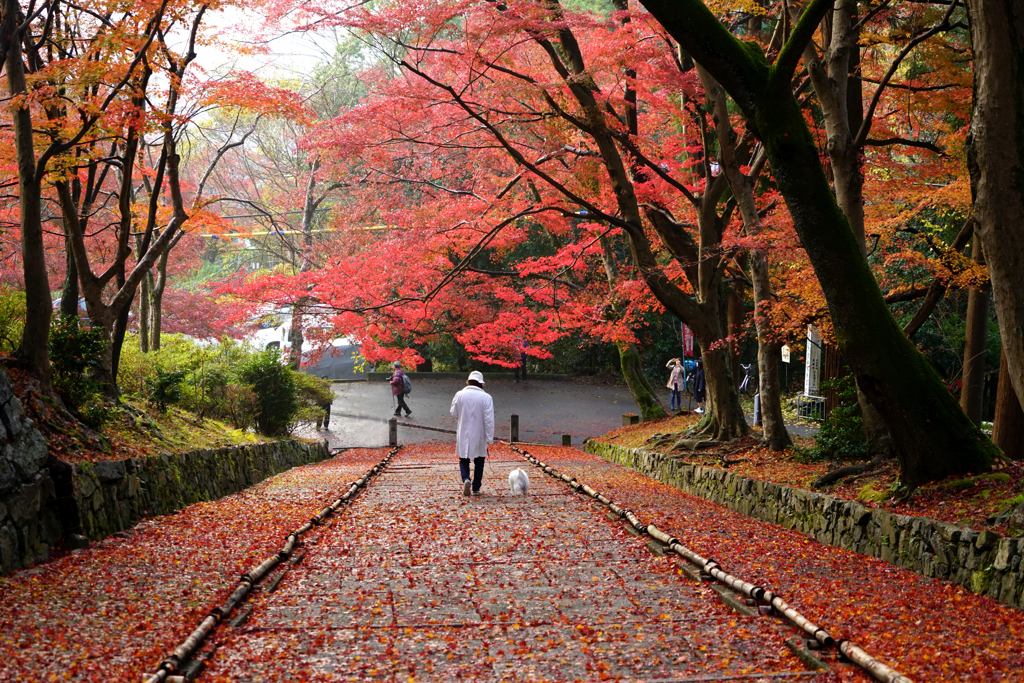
x=982, y=562
x=111, y=496
x=28, y=522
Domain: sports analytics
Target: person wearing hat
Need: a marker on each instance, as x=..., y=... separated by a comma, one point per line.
x=398, y=390
x=473, y=409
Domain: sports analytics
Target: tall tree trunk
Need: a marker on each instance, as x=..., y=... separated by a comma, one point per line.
x=69, y=292
x=144, y=314
x=38, y=305
x=975, y=344
x=773, y=425
x=995, y=158
x=157, y=298
x=295, y=335
x=774, y=433
x=933, y=437
x=1008, y=427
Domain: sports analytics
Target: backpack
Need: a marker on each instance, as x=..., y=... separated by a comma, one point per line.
x=406, y=384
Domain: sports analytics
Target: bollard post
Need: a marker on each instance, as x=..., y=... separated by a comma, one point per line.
x=514, y=429
x=566, y=439
x=630, y=419
x=393, y=432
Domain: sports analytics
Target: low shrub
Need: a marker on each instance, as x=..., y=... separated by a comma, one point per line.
x=166, y=388
x=841, y=436
x=276, y=395
x=75, y=353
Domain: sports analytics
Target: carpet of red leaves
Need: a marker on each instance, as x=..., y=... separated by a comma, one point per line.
x=927, y=629
x=964, y=501
x=110, y=612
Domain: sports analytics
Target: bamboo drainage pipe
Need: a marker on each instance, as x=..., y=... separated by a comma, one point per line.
x=848, y=650
x=252, y=577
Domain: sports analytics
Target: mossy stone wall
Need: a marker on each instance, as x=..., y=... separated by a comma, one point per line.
x=981, y=561
x=112, y=496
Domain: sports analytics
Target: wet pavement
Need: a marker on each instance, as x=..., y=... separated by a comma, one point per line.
x=415, y=582
x=546, y=411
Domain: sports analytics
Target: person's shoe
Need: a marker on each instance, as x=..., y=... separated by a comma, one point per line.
x=478, y=493
x=409, y=414
x=466, y=485
x=398, y=414
x=698, y=410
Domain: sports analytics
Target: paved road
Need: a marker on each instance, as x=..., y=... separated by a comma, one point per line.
x=414, y=582
x=546, y=411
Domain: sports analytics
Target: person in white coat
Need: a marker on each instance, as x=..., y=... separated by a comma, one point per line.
x=473, y=408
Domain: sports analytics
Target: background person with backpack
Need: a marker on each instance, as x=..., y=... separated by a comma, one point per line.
x=400, y=388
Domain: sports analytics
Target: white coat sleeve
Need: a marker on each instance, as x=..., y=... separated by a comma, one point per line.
x=455, y=410
x=489, y=420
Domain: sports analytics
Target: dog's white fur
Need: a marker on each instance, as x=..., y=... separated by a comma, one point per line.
x=518, y=482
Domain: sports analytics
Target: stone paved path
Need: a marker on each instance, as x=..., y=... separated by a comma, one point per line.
x=414, y=582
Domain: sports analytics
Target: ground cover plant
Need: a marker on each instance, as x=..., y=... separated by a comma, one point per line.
x=979, y=502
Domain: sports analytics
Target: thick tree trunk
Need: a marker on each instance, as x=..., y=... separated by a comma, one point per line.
x=723, y=403
x=639, y=388
x=933, y=437
x=975, y=344
x=995, y=158
x=1008, y=427
x=38, y=305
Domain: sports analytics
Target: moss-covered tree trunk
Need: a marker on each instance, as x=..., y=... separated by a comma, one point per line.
x=639, y=388
x=932, y=435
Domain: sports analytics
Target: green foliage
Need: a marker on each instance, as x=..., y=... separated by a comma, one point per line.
x=12, y=318
x=75, y=353
x=842, y=434
x=274, y=386
x=224, y=381
x=166, y=388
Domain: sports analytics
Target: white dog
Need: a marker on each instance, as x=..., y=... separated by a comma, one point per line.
x=518, y=482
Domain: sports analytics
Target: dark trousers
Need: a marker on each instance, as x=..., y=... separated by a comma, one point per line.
x=521, y=368
x=325, y=419
x=402, y=406
x=478, y=471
